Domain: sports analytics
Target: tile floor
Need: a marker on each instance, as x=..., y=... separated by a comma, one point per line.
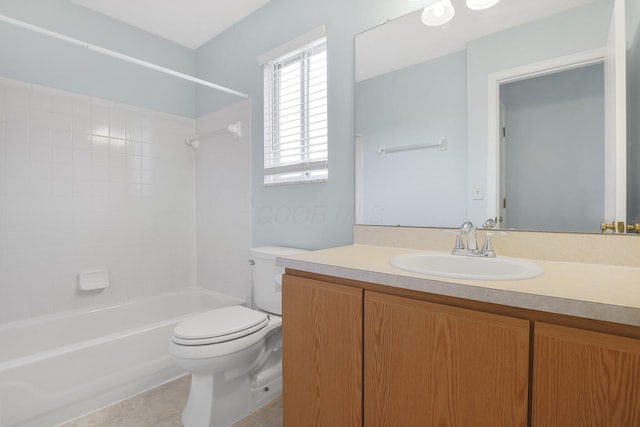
x=162, y=407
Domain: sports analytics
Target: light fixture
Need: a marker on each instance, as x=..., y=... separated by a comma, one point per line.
x=481, y=4
x=438, y=13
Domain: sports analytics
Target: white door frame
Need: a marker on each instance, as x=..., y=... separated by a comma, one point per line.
x=537, y=69
x=615, y=74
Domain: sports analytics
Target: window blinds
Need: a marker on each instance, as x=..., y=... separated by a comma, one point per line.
x=295, y=115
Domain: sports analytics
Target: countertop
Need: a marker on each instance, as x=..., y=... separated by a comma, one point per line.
x=594, y=291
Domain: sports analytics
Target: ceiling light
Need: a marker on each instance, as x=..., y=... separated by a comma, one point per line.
x=438, y=13
x=481, y=4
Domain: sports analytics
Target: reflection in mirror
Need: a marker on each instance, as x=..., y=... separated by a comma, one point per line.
x=416, y=105
x=552, y=146
x=418, y=84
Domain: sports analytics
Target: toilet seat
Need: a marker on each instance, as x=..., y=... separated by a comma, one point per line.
x=219, y=325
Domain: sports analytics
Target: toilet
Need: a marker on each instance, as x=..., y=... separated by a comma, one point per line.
x=234, y=353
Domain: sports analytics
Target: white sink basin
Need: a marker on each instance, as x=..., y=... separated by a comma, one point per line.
x=443, y=264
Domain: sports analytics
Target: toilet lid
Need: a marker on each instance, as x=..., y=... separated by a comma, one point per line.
x=219, y=325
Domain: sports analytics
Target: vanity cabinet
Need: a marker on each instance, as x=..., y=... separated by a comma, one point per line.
x=584, y=378
x=429, y=364
x=361, y=354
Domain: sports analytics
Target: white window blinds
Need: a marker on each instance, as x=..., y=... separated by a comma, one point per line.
x=295, y=115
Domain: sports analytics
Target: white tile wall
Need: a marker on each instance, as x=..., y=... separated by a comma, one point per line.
x=223, y=203
x=87, y=183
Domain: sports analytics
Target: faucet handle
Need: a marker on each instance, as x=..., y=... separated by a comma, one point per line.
x=487, y=247
x=487, y=242
x=459, y=243
x=490, y=223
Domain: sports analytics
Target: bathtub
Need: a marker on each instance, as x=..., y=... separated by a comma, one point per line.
x=58, y=367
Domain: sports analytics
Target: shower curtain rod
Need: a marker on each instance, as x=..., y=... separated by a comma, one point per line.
x=118, y=55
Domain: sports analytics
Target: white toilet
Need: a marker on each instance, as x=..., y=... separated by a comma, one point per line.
x=234, y=353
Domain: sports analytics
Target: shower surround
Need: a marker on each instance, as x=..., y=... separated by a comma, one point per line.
x=89, y=184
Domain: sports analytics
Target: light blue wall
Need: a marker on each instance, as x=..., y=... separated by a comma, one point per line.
x=633, y=116
x=35, y=58
x=321, y=215
x=544, y=39
x=415, y=105
x=555, y=151
x=310, y=216
x=303, y=215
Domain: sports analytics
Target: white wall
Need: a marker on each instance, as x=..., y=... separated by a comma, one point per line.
x=86, y=184
x=223, y=203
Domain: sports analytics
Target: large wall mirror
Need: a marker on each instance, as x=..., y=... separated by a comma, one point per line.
x=525, y=112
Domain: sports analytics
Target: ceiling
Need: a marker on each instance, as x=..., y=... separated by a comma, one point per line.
x=187, y=22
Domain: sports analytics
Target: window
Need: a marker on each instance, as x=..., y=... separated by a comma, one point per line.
x=295, y=115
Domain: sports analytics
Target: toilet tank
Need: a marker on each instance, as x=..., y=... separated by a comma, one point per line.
x=266, y=277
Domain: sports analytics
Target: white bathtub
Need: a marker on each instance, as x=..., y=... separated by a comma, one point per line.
x=55, y=368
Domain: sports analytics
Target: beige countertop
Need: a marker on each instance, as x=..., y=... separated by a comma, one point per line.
x=595, y=291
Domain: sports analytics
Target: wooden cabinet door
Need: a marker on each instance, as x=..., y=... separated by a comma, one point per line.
x=433, y=365
x=583, y=378
x=322, y=353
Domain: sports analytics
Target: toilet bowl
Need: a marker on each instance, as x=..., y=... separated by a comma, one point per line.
x=234, y=353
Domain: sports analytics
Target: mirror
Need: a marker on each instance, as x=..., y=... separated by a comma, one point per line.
x=429, y=122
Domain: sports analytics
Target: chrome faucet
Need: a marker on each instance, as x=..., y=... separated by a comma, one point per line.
x=467, y=229
x=470, y=230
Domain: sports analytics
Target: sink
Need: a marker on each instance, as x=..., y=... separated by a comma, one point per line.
x=444, y=264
